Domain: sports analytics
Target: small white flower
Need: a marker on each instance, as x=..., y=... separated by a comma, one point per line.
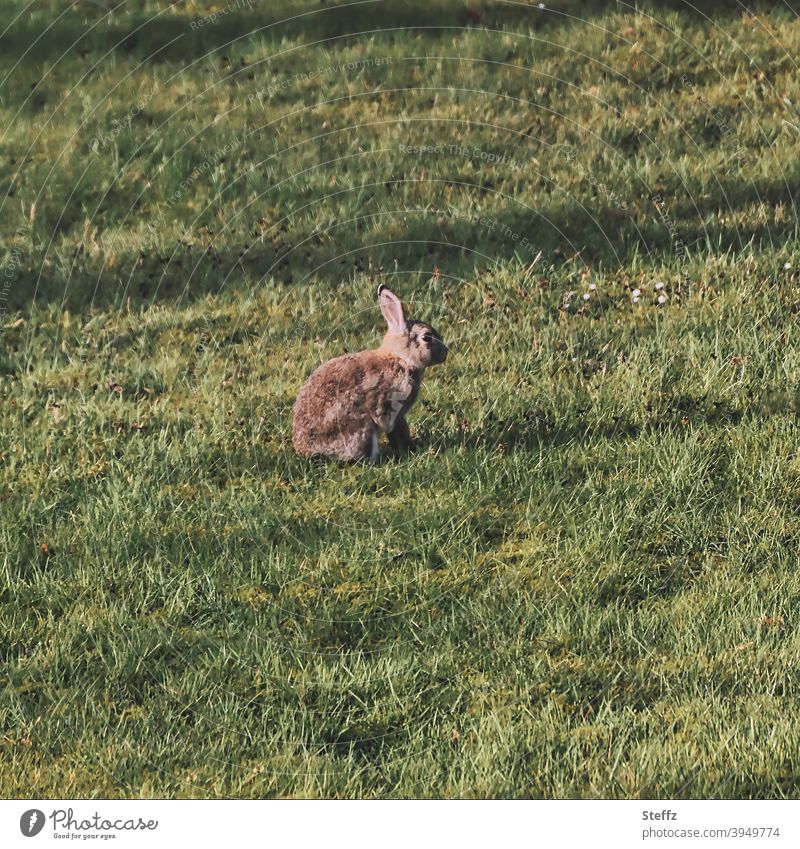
x=662, y=299
x=659, y=285
x=592, y=286
x=636, y=292
x=541, y=5
x=586, y=296
x=636, y=299
x=787, y=265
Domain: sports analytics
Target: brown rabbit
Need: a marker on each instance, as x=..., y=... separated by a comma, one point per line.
x=348, y=401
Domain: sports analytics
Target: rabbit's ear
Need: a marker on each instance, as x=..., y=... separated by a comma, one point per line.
x=392, y=310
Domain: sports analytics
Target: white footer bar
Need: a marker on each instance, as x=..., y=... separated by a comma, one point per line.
x=388, y=824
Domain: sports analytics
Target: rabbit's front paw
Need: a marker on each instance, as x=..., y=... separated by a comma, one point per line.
x=400, y=438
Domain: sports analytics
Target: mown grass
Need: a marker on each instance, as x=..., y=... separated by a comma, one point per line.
x=584, y=584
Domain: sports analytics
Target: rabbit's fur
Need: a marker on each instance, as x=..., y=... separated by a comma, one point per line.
x=349, y=401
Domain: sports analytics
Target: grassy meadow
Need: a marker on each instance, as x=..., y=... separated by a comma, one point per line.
x=585, y=581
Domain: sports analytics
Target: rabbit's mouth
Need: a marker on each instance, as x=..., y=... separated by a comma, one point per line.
x=438, y=352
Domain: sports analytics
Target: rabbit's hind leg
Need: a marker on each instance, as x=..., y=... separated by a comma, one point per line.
x=372, y=448
x=361, y=445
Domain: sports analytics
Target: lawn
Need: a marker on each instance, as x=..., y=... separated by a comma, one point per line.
x=584, y=583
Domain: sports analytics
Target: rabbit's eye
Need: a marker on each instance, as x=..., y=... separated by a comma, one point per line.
x=426, y=337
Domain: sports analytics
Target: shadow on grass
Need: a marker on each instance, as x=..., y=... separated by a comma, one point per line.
x=560, y=229
x=172, y=35
x=537, y=431
x=562, y=232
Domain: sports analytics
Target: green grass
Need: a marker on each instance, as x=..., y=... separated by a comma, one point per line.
x=585, y=582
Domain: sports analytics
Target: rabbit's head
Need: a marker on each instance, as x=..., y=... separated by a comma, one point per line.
x=413, y=341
